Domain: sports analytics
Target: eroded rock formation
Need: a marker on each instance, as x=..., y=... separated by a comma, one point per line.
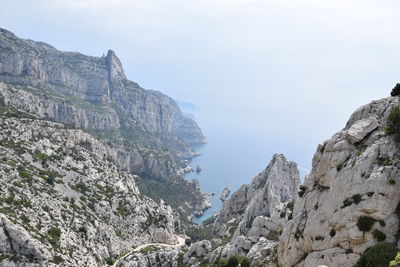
x=354, y=182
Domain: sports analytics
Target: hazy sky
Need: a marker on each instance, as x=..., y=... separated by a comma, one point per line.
x=292, y=71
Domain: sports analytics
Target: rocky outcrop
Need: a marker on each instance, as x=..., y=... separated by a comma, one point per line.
x=153, y=256
x=197, y=252
x=93, y=93
x=350, y=199
x=255, y=214
x=267, y=196
x=225, y=193
x=63, y=201
x=204, y=205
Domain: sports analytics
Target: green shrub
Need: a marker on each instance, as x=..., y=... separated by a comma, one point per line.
x=81, y=187
x=57, y=259
x=54, y=235
x=397, y=236
x=302, y=190
x=365, y=223
x=347, y=202
x=222, y=262
x=377, y=256
x=25, y=219
x=232, y=262
x=339, y=167
x=384, y=161
x=396, y=90
x=23, y=173
x=49, y=176
x=393, y=126
x=245, y=263
x=110, y=261
x=382, y=223
x=392, y=181
x=290, y=205
x=396, y=261
x=37, y=155
x=378, y=235
x=356, y=198
x=149, y=249
x=332, y=233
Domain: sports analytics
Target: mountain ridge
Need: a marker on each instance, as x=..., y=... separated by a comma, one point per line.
x=93, y=93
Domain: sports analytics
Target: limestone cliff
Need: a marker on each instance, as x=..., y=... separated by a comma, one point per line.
x=63, y=201
x=94, y=94
x=248, y=225
x=349, y=201
x=255, y=213
x=250, y=222
x=267, y=196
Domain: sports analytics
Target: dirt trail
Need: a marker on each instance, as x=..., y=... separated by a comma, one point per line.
x=181, y=242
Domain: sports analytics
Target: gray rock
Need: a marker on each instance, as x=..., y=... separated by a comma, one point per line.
x=225, y=193
x=267, y=196
x=197, y=252
x=350, y=178
x=255, y=214
x=66, y=201
x=93, y=93
x=160, y=257
x=361, y=129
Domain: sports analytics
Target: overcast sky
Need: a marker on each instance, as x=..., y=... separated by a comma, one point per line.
x=292, y=71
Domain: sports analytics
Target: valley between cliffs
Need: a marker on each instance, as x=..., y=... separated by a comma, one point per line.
x=90, y=166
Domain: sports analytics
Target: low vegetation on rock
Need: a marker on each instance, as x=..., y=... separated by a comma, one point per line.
x=393, y=127
x=396, y=90
x=379, y=255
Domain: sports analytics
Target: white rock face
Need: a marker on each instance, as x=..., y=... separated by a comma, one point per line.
x=197, y=252
x=64, y=201
x=166, y=257
x=254, y=214
x=93, y=93
x=360, y=129
x=355, y=173
x=265, y=196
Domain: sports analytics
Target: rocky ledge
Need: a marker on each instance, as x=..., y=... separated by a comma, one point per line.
x=350, y=201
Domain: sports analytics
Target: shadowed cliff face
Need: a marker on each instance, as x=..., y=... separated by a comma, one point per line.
x=93, y=93
x=355, y=175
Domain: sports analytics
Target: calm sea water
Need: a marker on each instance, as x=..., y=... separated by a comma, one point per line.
x=230, y=158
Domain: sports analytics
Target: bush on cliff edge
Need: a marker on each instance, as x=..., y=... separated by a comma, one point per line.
x=393, y=127
x=379, y=255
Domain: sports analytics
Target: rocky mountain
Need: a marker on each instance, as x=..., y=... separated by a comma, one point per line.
x=256, y=213
x=93, y=93
x=63, y=201
x=249, y=224
x=349, y=203
x=247, y=228
x=77, y=140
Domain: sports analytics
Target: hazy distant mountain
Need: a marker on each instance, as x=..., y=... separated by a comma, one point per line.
x=93, y=93
x=188, y=109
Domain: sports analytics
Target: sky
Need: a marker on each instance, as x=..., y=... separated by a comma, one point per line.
x=289, y=71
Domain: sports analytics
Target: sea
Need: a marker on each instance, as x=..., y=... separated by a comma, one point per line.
x=231, y=157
